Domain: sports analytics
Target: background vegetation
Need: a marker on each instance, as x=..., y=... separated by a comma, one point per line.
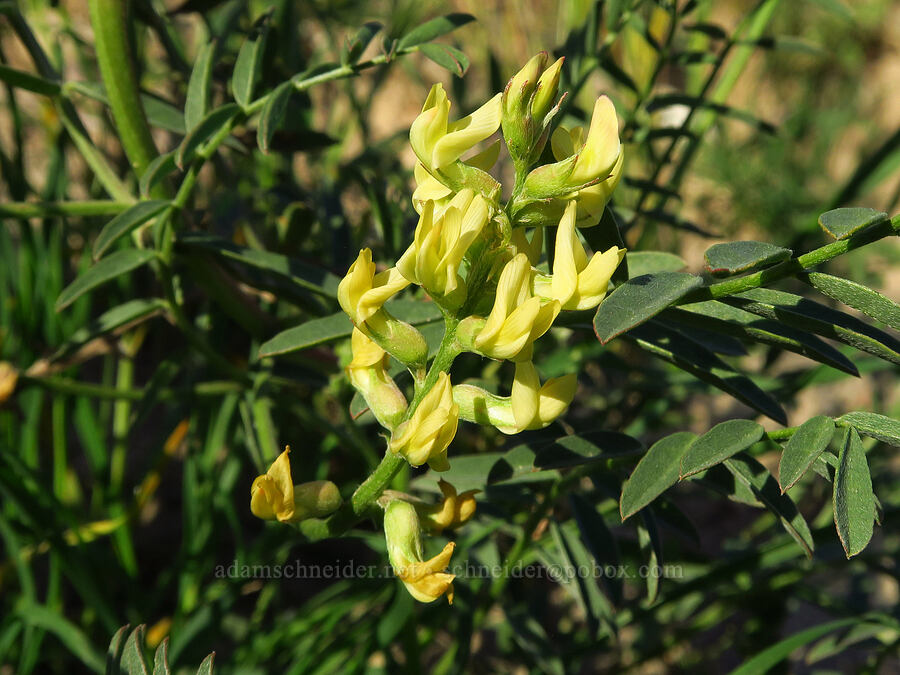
x=145, y=405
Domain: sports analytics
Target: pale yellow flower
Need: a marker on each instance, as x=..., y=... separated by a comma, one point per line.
x=273, y=496
x=530, y=405
x=452, y=511
x=425, y=580
x=362, y=292
x=425, y=436
x=441, y=241
x=578, y=283
x=368, y=374
x=591, y=200
x=601, y=149
x=517, y=318
x=438, y=142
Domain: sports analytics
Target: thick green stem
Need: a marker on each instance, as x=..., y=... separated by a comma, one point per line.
x=111, y=30
x=795, y=265
x=363, y=500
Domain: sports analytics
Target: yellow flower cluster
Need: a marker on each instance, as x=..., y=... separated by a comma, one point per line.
x=479, y=260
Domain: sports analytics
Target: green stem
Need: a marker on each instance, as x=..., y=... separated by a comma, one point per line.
x=795, y=265
x=97, y=207
x=363, y=499
x=117, y=68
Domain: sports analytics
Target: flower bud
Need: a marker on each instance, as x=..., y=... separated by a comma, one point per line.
x=368, y=375
x=547, y=89
x=576, y=282
x=425, y=580
x=452, y=511
x=527, y=104
x=591, y=166
x=425, y=436
x=273, y=496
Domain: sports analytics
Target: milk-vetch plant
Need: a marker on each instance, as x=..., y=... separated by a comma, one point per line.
x=475, y=258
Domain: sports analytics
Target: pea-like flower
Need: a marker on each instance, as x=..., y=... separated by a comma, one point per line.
x=363, y=291
x=590, y=166
x=531, y=405
x=362, y=294
x=529, y=103
x=425, y=436
x=452, y=511
x=591, y=200
x=441, y=241
x=368, y=375
x=273, y=496
x=426, y=580
x=438, y=142
x=518, y=318
x=578, y=283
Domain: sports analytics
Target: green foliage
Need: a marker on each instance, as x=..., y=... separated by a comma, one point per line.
x=156, y=374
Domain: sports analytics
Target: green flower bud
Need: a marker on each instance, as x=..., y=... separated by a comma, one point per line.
x=527, y=109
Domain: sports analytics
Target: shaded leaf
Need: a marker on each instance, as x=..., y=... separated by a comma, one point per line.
x=447, y=57
x=743, y=256
x=599, y=541
x=248, y=66
x=885, y=429
x=196, y=103
x=272, y=114
x=718, y=444
x=211, y=125
x=302, y=274
x=432, y=29
x=694, y=358
x=639, y=299
x=755, y=476
x=121, y=315
x=802, y=449
x=338, y=325
x=854, y=502
x=161, y=658
x=354, y=47
x=125, y=222
x=657, y=471
x=114, y=652
x=856, y=295
x=841, y=223
x=717, y=316
x=28, y=81
x=766, y=659
x=156, y=171
x=808, y=315
x=651, y=547
x=109, y=268
x=133, y=661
